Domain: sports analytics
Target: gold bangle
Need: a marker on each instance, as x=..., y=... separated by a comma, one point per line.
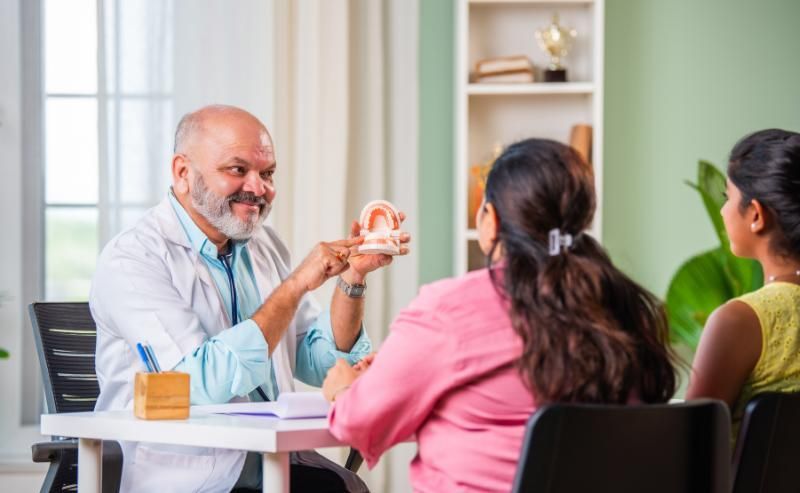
x=339, y=391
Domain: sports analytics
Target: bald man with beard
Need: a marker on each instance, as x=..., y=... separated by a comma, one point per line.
x=212, y=290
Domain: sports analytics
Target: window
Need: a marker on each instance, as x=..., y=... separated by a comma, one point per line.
x=100, y=105
x=107, y=107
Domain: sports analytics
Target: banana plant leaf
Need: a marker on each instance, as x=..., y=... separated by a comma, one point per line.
x=711, y=187
x=708, y=280
x=699, y=287
x=744, y=274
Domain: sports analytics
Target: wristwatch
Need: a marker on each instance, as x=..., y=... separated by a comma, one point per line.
x=351, y=290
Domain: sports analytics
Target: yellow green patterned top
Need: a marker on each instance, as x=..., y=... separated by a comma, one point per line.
x=777, y=306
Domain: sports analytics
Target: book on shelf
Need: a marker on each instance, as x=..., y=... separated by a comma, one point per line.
x=511, y=77
x=504, y=69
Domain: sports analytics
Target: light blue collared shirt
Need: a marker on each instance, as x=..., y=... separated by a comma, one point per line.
x=236, y=361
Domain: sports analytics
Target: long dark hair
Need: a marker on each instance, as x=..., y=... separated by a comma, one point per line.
x=590, y=334
x=765, y=166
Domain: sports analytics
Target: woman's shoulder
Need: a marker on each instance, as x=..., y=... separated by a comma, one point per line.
x=455, y=302
x=771, y=292
x=775, y=304
x=735, y=312
x=474, y=285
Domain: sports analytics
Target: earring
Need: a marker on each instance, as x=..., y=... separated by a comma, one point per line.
x=753, y=227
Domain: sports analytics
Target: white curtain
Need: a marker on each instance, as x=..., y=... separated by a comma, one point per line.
x=345, y=132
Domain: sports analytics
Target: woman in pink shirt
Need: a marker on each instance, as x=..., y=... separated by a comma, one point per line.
x=549, y=320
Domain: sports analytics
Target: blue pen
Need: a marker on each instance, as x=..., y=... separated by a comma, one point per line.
x=149, y=350
x=143, y=355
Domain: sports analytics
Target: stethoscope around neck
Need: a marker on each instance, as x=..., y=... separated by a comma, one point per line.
x=227, y=260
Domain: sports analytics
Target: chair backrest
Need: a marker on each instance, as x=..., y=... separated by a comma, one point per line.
x=65, y=335
x=664, y=448
x=768, y=449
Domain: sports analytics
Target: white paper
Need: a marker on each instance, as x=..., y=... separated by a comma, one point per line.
x=290, y=405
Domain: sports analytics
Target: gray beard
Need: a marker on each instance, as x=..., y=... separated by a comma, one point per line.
x=217, y=211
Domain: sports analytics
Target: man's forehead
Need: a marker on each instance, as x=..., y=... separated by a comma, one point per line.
x=266, y=152
x=266, y=140
x=246, y=142
x=266, y=148
x=251, y=153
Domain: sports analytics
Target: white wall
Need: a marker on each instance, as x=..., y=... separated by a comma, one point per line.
x=17, y=472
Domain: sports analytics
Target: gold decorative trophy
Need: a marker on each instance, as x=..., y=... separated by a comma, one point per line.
x=555, y=40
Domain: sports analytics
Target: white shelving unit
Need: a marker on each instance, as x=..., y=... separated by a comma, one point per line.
x=488, y=115
x=536, y=88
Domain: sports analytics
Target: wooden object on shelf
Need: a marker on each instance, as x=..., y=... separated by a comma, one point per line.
x=476, y=187
x=477, y=183
x=163, y=395
x=510, y=69
x=580, y=139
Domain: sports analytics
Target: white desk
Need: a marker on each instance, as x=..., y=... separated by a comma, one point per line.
x=272, y=437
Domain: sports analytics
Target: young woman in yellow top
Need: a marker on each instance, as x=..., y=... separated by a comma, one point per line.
x=752, y=344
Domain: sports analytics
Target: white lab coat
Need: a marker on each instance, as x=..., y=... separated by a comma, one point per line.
x=150, y=285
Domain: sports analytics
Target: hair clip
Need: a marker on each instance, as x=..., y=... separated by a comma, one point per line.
x=556, y=240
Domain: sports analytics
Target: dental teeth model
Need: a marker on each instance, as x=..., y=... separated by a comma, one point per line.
x=380, y=227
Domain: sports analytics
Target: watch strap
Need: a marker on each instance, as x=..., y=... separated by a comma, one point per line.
x=351, y=290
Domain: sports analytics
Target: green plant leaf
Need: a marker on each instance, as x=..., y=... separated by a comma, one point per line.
x=708, y=280
x=711, y=186
x=697, y=289
x=3, y=353
x=744, y=274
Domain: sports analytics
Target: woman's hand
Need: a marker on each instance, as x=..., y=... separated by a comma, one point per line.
x=338, y=379
x=364, y=363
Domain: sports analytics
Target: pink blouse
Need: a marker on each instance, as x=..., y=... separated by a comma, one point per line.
x=445, y=373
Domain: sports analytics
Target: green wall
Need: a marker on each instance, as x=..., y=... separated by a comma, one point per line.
x=684, y=80
x=436, y=68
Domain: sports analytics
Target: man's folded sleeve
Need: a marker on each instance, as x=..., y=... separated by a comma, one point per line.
x=232, y=363
x=317, y=353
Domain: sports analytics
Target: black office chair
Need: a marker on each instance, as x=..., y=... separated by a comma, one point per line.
x=572, y=448
x=65, y=336
x=768, y=449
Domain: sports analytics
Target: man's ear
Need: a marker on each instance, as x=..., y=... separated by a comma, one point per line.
x=180, y=174
x=757, y=217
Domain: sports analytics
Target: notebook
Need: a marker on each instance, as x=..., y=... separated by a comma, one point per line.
x=290, y=405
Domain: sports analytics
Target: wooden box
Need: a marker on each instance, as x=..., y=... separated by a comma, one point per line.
x=162, y=395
